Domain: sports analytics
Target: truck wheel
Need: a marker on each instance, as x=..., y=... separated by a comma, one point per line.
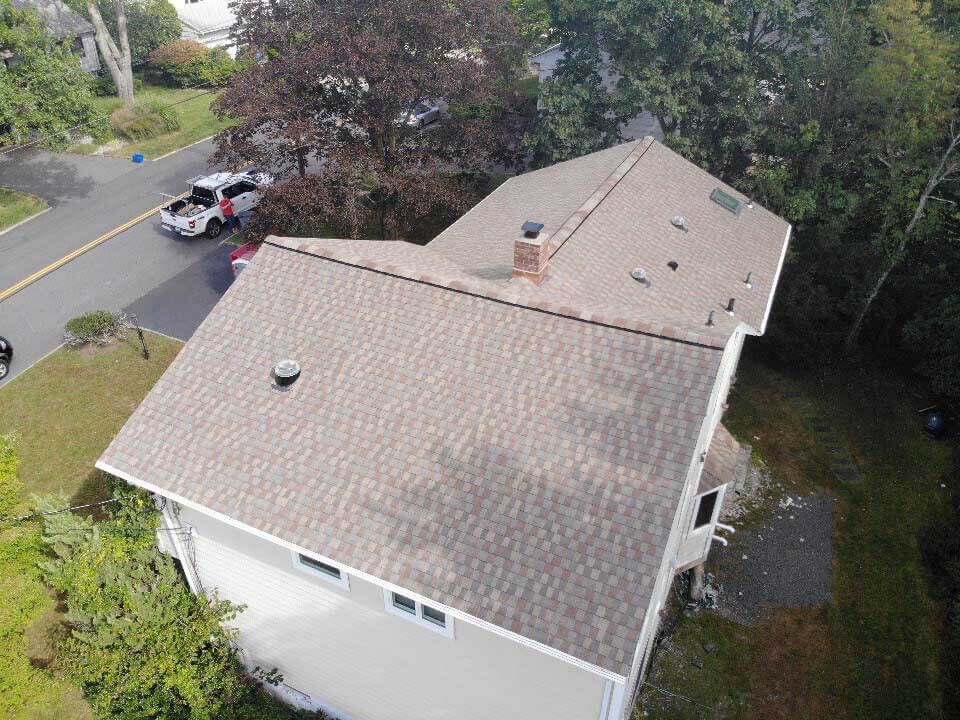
x=4, y=367
x=213, y=228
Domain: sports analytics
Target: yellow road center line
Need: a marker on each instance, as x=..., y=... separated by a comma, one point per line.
x=43, y=272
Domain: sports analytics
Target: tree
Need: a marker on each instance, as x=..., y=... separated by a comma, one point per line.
x=576, y=116
x=150, y=24
x=118, y=60
x=704, y=69
x=910, y=91
x=334, y=83
x=45, y=92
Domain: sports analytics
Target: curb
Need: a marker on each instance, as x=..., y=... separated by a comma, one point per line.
x=174, y=152
x=48, y=208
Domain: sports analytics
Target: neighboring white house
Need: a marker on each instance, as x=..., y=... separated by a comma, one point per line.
x=545, y=62
x=469, y=496
x=208, y=22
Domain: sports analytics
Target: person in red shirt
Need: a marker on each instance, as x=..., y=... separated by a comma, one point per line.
x=226, y=207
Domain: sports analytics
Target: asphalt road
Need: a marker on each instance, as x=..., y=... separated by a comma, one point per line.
x=171, y=282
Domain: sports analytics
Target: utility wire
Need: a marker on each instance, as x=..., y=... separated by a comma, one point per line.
x=91, y=122
x=34, y=516
x=678, y=696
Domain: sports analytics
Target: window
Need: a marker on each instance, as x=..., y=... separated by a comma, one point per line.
x=245, y=187
x=322, y=569
x=415, y=611
x=726, y=200
x=705, y=509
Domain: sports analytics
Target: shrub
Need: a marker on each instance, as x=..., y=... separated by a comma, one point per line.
x=10, y=486
x=187, y=63
x=145, y=120
x=142, y=645
x=104, y=86
x=98, y=327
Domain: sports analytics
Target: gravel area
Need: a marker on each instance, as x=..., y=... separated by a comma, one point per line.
x=787, y=561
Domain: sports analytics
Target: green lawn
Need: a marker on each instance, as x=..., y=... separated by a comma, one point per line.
x=17, y=206
x=874, y=651
x=65, y=411
x=197, y=121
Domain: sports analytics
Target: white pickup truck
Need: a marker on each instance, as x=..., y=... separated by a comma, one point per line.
x=200, y=213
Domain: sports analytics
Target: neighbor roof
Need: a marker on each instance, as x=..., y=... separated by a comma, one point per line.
x=206, y=16
x=610, y=212
x=59, y=19
x=520, y=466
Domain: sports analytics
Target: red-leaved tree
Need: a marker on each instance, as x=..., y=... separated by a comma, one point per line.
x=325, y=101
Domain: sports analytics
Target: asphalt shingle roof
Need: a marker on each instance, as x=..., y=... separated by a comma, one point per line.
x=513, y=451
x=520, y=466
x=625, y=223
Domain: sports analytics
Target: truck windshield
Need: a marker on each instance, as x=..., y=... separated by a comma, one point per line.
x=203, y=195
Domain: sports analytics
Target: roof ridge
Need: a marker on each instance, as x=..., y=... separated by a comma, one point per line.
x=576, y=219
x=470, y=286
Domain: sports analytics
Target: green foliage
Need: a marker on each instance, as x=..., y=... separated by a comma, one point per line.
x=103, y=86
x=145, y=120
x=97, y=327
x=141, y=644
x=576, y=116
x=532, y=18
x=45, y=92
x=934, y=335
x=10, y=486
x=187, y=63
x=150, y=24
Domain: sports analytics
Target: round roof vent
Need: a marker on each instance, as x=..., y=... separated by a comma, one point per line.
x=679, y=221
x=640, y=275
x=286, y=372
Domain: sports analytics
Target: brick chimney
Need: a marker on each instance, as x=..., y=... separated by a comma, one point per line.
x=531, y=251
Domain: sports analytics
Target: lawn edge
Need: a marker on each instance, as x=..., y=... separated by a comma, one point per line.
x=29, y=217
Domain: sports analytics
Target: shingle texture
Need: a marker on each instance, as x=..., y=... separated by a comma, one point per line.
x=617, y=207
x=513, y=451
x=60, y=20
x=520, y=466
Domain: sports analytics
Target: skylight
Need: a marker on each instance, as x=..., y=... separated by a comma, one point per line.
x=726, y=200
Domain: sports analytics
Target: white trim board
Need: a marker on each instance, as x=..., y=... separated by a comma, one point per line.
x=776, y=280
x=458, y=614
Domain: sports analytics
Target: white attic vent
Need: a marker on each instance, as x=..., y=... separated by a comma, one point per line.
x=286, y=372
x=640, y=275
x=679, y=221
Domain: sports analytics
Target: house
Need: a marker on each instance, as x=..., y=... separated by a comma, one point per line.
x=544, y=64
x=65, y=25
x=469, y=488
x=209, y=22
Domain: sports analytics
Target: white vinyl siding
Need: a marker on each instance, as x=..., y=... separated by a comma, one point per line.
x=352, y=656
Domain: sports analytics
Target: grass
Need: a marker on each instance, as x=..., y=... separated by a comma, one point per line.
x=874, y=651
x=197, y=121
x=69, y=406
x=17, y=206
x=64, y=410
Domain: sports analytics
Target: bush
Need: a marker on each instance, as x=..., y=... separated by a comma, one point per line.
x=98, y=327
x=187, y=63
x=145, y=120
x=104, y=86
x=142, y=645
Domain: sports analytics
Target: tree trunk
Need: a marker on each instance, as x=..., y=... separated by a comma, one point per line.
x=854, y=332
x=118, y=61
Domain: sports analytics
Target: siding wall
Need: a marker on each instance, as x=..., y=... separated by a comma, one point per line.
x=344, y=650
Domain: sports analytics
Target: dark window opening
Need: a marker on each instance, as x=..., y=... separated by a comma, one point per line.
x=321, y=566
x=705, y=509
x=401, y=602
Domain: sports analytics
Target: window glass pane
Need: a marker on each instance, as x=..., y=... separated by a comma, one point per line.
x=434, y=616
x=321, y=566
x=404, y=603
x=705, y=509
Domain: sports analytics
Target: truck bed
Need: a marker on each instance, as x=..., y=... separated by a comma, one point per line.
x=188, y=207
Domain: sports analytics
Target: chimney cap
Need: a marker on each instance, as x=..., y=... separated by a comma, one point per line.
x=531, y=229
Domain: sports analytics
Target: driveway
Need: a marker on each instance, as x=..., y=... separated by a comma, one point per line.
x=170, y=281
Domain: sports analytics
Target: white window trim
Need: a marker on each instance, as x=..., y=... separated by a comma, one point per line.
x=418, y=619
x=342, y=582
x=716, y=510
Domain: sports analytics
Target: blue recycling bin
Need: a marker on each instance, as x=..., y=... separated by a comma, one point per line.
x=138, y=157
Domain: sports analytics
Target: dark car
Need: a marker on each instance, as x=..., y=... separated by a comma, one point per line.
x=6, y=356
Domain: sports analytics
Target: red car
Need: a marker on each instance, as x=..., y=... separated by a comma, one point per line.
x=240, y=257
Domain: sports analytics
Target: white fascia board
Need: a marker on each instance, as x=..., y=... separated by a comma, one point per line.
x=459, y=614
x=776, y=280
